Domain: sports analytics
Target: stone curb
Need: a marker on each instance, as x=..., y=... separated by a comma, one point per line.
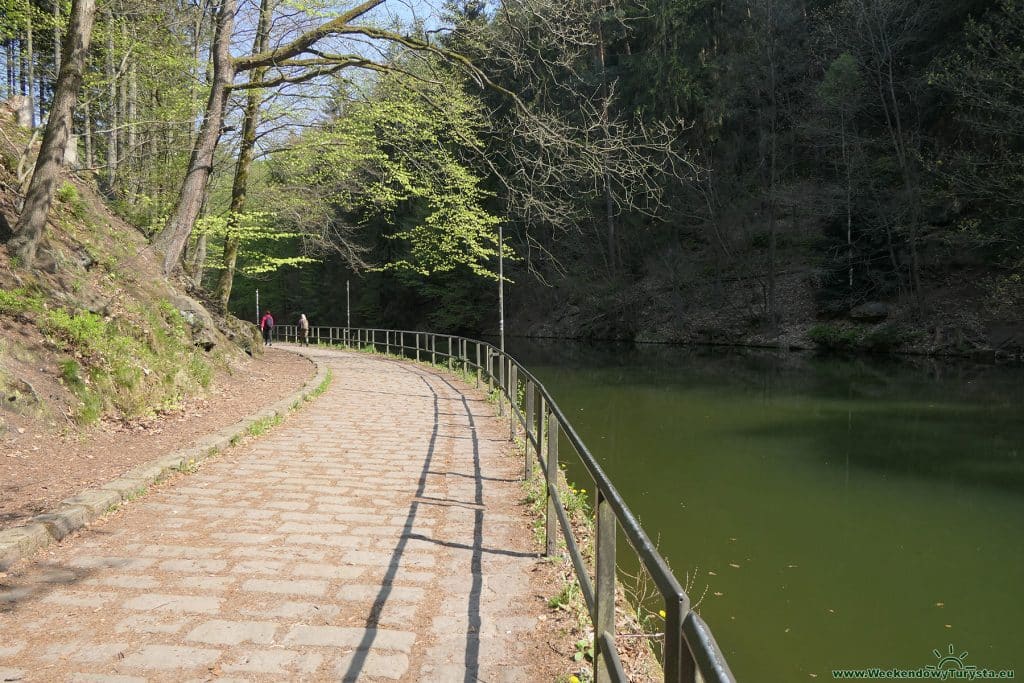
x=79, y=510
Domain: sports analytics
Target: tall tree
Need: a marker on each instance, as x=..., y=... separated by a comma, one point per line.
x=247, y=145
x=173, y=238
x=39, y=198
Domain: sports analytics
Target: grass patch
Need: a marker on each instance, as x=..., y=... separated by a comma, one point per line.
x=68, y=194
x=130, y=366
x=20, y=301
x=264, y=424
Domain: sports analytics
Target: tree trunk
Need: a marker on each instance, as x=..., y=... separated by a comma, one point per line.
x=132, y=116
x=9, y=55
x=38, y=199
x=56, y=38
x=31, y=76
x=198, y=260
x=173, y=238
x=22, y=68
x=87, y=131
x=773, y=315
x=247, y=145
x=112, y=119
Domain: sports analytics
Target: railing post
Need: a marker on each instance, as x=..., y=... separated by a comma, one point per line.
x=433, y=349
x=679, y=665
x=490, y=370
x=604, y=588
x=478, y=365
x=401, y=342
x=502, y=384
x=529, y=429
x=541, y=408
x=551, y=478
x=417, y=347
x=513, y=399
x=450, y=354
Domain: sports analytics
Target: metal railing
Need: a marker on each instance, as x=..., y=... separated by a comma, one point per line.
x=690, y=652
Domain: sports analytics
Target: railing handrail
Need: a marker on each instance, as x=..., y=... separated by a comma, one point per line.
x=692, y=649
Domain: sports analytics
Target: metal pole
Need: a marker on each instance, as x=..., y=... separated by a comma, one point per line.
x=513, y=399
x=478, y=365
x=541, y=408
x=502, y=385
x=552, y=483
x=604, y=589
x=348, y=307
x=257, y=305
x=501, y=286
x=528, y=454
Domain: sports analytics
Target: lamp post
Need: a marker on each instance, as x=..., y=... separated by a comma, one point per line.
x=501, y=287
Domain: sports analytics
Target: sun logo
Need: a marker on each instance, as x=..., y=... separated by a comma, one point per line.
x=950, y=661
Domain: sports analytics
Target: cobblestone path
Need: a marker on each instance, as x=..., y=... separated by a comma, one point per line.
x=375, y=535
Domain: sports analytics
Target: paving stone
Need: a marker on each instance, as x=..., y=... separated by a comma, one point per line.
x=193, y=566
x=312, y=528
x=275, y=662
x=388, y=593
x=98, y=501
x=179, y=551
x=9, y=648
x=327, y=571
x=168, y=657
x=80, y=598
x=10, y=674
x=212, y=584
x=174, y=603
x=98, y=652
x=146, y=623
x=104, y=678
x=258, y=567
x=287, y=505
x=361, y=664
x=298, y=610
x=21, y=542
x=250, y=539
x=289, y=587
x=343, y=636
x=221, y=632
x=14, y=595
x=335, y=541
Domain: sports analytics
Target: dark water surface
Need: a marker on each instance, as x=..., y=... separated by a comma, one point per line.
x=834, y=513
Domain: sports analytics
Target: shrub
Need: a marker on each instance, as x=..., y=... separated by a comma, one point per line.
x=834, y=337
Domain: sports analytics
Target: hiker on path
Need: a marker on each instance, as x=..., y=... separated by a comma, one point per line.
x=303, y=329
x=267, y=326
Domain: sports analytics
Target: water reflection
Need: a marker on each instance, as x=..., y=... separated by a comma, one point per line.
x=836, y=512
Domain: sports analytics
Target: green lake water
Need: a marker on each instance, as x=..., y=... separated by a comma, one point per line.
x=833, y=513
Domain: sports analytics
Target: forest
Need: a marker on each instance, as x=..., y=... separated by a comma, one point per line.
x=845, y=173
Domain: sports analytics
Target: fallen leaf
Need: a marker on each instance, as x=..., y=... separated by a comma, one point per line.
x=734, y=565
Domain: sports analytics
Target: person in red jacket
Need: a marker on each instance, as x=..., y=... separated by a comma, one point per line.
x=267, y=326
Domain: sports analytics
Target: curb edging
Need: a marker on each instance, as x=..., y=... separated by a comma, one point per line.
x=78, y=511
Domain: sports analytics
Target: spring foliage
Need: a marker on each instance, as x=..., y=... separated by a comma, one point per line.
x=395, y=152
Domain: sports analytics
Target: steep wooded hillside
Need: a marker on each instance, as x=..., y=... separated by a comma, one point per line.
x=94, y=330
